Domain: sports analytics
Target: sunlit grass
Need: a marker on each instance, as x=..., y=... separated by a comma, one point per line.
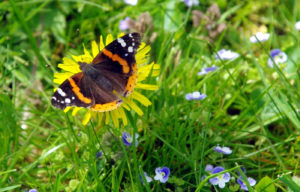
x=250, y=107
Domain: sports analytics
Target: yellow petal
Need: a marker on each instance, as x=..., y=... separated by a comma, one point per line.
x=140, y=98
x=86, y=118
x=95, y=49
x=67, y=109
x=75, y=110
x=69, y=65
x=144, y=71
x=146, y=86
x=115, y=117
x=87, y=56
x=121, y=35
x=123, y=115
x=109, y=39
x=134, y=107
x=59, y=78
x=141, y=46
x=100, y=117
x=106, y=117
x=101, y=43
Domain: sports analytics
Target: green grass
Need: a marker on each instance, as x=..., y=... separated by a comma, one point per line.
x=250, y=107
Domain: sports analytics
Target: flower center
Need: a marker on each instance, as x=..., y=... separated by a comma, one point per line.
x=220, y=177
x=129, y=139
x=163, y=174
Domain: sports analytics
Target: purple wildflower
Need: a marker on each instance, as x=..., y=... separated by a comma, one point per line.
x=128, y=139
x=259, y=37
x=207, y=70
x=278, y=56
x=195, y=96
x=220, y=180
x=123, y=25
x=99, y=154
x=162, y=174
x=224, y=54
x=244, y=187
x=190, y=3
x=148, y=179
x=209, y=168
x=131, y=2
x=224, y=150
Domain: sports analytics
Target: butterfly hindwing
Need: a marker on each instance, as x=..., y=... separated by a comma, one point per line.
x=72, y=93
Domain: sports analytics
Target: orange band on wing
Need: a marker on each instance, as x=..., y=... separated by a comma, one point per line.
x=116, y=57
x=106, y=107
x=77, y=92
x=131, y=80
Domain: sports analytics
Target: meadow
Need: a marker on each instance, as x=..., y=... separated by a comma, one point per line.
x=216, y=103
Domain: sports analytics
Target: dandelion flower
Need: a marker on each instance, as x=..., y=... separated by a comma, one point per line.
x=277, y=56
x=128, y=102
x=259, y=37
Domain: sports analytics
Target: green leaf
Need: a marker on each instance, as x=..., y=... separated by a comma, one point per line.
x=265, y=185
x=291, y=182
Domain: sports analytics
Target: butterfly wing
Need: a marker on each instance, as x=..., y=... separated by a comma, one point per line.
x=113, y=69
x=73, y=92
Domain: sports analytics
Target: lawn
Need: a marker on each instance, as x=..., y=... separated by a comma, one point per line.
x=215, y=104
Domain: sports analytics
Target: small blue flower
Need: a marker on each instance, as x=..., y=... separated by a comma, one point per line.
x=259, y=37
x=131, y=2
x=123, y=25
x=244, y=187
x=195, y=96
x=207, y=70
x=221, y=179
x=148, y=179
x=99, y=154
x=297, y=25
x=224, y=150
x=191, y=3
x=278, y=56
x=224, y=54
x=31, y=190
x=162, y=174
x=209, y=168
x=128, y=139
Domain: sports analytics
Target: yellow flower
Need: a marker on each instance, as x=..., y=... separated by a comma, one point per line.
x=71, y=67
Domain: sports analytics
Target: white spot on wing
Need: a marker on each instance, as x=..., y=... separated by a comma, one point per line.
x=130, y=35
x=73, y=98
x=126, y=54
x=54, y=98
x=130, y=49
x=61, y=92
x=122, y=42
x=62, y=102
x=67, y=100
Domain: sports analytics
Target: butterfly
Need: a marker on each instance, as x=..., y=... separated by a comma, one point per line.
x=101, y=84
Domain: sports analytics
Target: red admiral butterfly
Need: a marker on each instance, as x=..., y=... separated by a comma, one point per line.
x=112, y=72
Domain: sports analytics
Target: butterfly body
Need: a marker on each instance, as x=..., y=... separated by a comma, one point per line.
x=99, y=84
